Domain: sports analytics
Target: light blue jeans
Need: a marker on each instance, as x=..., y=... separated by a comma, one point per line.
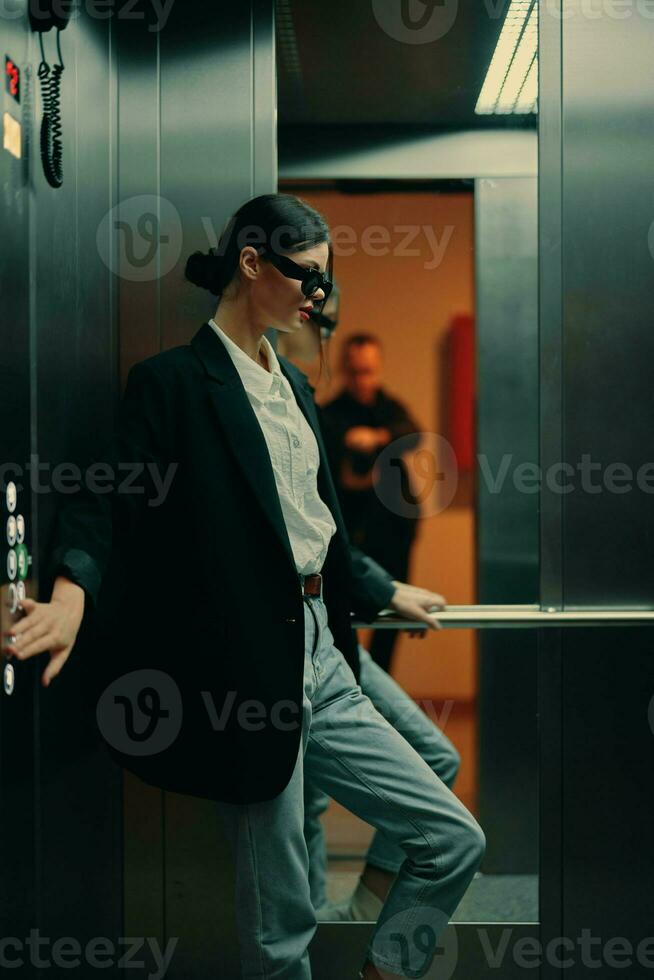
x=427, y=739
x=353, y=754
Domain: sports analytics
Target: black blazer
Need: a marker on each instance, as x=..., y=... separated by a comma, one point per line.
x=198, y=620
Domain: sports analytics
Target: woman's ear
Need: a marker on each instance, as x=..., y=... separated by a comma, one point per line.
x=249, y=262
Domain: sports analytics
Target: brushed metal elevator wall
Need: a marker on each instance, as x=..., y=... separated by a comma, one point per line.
x=597, y=378
x=17, y=791
x=167, y=128
x=59, y=796
x=506, y=261
x=608, y=380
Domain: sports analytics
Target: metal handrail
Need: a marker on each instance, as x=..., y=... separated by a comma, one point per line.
x=513, y=617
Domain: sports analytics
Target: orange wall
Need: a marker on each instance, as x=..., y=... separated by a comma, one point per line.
x=410, y=306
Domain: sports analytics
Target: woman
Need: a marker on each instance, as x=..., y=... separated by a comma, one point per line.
x=222, y=572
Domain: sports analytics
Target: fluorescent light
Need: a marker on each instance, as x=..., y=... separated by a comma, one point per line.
x=511, y=84
x=527, y=100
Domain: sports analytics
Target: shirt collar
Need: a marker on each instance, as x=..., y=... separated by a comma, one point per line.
x=261, y=384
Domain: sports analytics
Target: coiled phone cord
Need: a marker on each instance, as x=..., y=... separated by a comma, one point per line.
x=51, y=131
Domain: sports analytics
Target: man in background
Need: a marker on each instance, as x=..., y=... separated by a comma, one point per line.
x=358, y=424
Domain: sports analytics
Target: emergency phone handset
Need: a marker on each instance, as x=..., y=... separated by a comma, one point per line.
x=44, y=15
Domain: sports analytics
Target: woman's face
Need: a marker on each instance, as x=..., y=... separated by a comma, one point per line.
x=279, y=300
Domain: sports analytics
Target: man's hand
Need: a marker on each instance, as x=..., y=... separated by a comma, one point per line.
x=362, y=438
x=413, y=602
x=51, y=626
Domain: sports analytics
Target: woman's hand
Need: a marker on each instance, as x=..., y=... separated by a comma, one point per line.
x=413, y=602
x=51, y=626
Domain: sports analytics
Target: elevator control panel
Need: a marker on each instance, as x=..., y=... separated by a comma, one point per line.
x=16, y=581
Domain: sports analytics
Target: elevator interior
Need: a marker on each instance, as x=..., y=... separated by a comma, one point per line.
x=182, y=123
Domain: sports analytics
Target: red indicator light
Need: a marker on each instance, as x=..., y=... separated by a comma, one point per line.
x=12, y=76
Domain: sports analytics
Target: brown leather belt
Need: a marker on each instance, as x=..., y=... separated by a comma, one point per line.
x=312, y=584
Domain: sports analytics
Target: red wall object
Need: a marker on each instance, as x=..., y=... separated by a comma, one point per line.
x=461, y=390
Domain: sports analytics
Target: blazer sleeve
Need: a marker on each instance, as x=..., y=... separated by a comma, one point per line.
x=372, y=586
x=115, y=488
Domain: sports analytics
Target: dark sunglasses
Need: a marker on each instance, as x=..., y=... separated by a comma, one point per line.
x=311, y=279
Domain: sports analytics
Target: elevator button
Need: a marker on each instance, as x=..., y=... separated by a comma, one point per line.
x=12, y=564
x=20, y=590
x=11, y=497
x=8, y=678
x=12, y=597
x=11, y=530
x=22, y=558
x=20, y=528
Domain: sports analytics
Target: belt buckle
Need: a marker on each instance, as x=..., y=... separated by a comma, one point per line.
x=312, y=594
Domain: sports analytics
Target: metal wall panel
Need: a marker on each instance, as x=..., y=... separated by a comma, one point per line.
x=506, y=241
x=597, y=379
x=58, y=340
x=73, y=304
x=550, y=331
x=608, y=261
x=322, y=152
x=608, y=680
x=18, y=790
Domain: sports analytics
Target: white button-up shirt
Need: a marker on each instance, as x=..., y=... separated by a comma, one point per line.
x=293, y=453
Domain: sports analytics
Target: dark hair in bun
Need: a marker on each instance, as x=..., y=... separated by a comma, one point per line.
x=281, y=223
x=203, y=270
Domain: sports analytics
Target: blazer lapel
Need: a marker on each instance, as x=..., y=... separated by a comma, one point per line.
x=240, y=426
